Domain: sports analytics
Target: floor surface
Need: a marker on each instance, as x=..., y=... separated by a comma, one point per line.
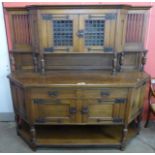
x=10, y=142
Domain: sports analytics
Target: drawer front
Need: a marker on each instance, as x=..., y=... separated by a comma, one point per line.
x=54, y=111
x=62, y=93
x=106, y=93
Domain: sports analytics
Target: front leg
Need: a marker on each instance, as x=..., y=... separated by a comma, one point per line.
x=124, y=137
x=33, y=138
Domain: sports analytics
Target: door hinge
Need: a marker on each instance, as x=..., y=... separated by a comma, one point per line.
x=108, y=49
x=38, y=101
x=120, y=100
x=46, y=16
x=111, y=16
x=117, y=120
x=40, y=120
x=49, y=49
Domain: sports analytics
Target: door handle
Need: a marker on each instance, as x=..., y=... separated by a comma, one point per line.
x=80, y=33
x=84, y=110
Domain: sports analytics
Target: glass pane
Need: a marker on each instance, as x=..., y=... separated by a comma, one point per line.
x=94, y=32
x=63, y=32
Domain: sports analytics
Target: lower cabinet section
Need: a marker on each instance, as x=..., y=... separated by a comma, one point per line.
x=78, y=116
x=69, y=106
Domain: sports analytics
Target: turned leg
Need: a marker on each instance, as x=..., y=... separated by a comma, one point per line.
x=139, y=118
x=148, y=117
x=18, y=123
x=124, y=137
x=33, y=138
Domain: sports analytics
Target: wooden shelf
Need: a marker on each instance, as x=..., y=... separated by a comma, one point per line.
x=77, y=135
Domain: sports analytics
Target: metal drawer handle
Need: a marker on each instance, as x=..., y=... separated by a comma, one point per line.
x=84, y=110
x=53, y=93
x=72, y=110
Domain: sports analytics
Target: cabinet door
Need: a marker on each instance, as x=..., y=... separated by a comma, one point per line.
x=103, y=111
x=54, y=106
x=54, y=111
x=58, y=32
x=104, y=105
x=97, y=32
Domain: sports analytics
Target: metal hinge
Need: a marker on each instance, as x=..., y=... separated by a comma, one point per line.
x=38, y=101
x=120, y=100
x=110, y=16
x=49, y=49
x=47, y=16
x=108, y=49
x=40, y=120
x=117, y=120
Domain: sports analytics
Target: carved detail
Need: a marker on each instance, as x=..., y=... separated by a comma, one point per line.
x=143, y=61
x=124, y=137
x=42, y=65
x=114, y=63
x=35, y=63
x=12, y=60
x=33, y=137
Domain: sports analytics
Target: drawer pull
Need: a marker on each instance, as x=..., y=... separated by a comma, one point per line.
x=84, y=110
x=105, y=93
x=53, y=93
x=72, y=110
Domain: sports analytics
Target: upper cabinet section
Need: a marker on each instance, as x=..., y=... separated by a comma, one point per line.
x=78, y=29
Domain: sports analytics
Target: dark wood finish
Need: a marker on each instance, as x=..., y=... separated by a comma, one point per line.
x=77, y=74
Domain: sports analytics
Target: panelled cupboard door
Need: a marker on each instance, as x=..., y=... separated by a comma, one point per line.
x=98, y=111
x=58, y=32
x=54, y=111
x=97, y=32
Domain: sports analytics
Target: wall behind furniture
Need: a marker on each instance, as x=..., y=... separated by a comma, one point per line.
x=6, y=110
x=150, y=45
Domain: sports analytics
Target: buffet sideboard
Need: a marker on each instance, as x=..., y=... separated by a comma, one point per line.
x=78, y=73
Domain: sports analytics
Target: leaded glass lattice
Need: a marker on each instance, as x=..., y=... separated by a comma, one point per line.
x=63, y=32
x=94, y=32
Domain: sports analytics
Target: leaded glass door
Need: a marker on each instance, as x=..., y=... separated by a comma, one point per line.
x=96, y=32
x=59, y=33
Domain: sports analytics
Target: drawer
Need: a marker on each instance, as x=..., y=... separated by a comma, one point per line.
x=53, y=93
x=107, y=93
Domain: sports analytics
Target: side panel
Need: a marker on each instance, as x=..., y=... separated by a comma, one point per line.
x=137, y=101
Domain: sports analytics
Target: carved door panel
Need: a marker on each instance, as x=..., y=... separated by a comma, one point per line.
x=104, y=105
x=98, y=111
x=55, y=111
x=58, y=32
x=96, y=32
